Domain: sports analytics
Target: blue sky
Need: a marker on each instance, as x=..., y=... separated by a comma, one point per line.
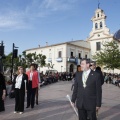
x=29, y=23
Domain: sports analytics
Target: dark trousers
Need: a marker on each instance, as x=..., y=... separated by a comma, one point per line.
x=36, y=95
x=19, y=100
x=84, y=114
x=2, y=108
x=30, y=95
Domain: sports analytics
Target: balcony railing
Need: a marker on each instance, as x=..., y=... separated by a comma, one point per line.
x=71, y=59
x=49, y=59
x=59, y=59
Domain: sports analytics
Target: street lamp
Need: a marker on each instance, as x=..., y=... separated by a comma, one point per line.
x=1, y=55
x=61, y=69
x=14, y=55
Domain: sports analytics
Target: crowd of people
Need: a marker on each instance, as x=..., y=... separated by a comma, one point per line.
x=112, y=79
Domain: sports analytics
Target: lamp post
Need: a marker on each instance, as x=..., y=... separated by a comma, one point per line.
x=1, y=56
x=13, y=56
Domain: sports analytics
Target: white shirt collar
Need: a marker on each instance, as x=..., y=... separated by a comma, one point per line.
x=88, y=71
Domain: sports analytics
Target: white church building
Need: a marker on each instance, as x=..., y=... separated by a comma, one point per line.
x=66, y=56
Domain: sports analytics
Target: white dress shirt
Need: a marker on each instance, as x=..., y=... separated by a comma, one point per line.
x=18, y=81
x=88, y=72
x=85, y=76
x=31, y=75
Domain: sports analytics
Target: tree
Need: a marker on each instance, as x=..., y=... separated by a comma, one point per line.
x=34, y=58
x=109, y=56
x=24, y=60
x=7, y=62
x=50, y=65
x=41, y=60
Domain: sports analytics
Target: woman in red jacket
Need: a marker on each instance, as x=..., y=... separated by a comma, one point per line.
x=32, y=85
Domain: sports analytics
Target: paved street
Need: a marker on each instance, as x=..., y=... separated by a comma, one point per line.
x=53, y=104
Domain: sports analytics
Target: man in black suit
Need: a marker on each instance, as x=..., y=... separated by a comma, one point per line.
x=98, y=70
x=87, y=91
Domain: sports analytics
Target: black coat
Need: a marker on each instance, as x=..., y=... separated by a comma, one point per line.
x=101, y=76
x=89, y=97
x=25, y=77
x=2, y=83
x=2, y=87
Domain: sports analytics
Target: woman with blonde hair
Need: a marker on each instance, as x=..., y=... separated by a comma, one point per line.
x=19, y=85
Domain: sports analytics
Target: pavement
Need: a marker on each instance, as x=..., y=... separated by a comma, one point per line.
x=53, y=104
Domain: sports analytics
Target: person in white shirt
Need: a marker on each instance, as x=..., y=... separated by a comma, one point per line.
x=20, y=86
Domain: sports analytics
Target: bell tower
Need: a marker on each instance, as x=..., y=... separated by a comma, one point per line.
x=99, y=22
x=100, y=32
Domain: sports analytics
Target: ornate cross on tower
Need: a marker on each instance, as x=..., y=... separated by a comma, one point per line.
x=98, y=4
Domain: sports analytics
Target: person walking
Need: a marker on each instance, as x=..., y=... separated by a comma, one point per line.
x=73, y=80
x=87, y=92
x=98, y=70
x=32, y=85
x=39, y=81
x=2, y=92
x=19, y=85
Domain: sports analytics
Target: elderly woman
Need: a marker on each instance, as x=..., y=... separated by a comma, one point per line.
x=19, y=87
x=2, y=92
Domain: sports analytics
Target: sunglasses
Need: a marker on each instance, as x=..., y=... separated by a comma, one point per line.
x=91, y=65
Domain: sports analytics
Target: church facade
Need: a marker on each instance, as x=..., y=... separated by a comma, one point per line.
x=66, y=56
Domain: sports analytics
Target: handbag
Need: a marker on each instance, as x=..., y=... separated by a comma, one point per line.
x=12, y=94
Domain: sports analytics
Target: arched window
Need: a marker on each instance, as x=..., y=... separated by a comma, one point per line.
x=96, y=26
x=101, y=25
x=98, y=15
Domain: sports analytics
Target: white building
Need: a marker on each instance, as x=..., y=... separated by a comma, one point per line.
x=66, y=56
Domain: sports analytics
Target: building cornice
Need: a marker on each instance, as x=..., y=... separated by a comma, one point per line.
x=79, y=46
x=65, y=43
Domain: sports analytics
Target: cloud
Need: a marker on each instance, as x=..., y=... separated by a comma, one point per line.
x=12, y=21
x=22, y=18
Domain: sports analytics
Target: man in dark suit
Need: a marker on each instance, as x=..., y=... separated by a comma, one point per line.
x=98, y=70
x=87, y=91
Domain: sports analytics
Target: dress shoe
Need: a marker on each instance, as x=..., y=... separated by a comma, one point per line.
x=27, y=106
x=32, y=107
x=36, y=102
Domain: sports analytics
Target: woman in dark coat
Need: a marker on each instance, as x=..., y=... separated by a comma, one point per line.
x=2, y=92
x=19, y=87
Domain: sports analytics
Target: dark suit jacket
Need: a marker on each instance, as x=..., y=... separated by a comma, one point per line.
x=101, y=76
x=25, y=77
x=89, y=97
x=2, y=83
